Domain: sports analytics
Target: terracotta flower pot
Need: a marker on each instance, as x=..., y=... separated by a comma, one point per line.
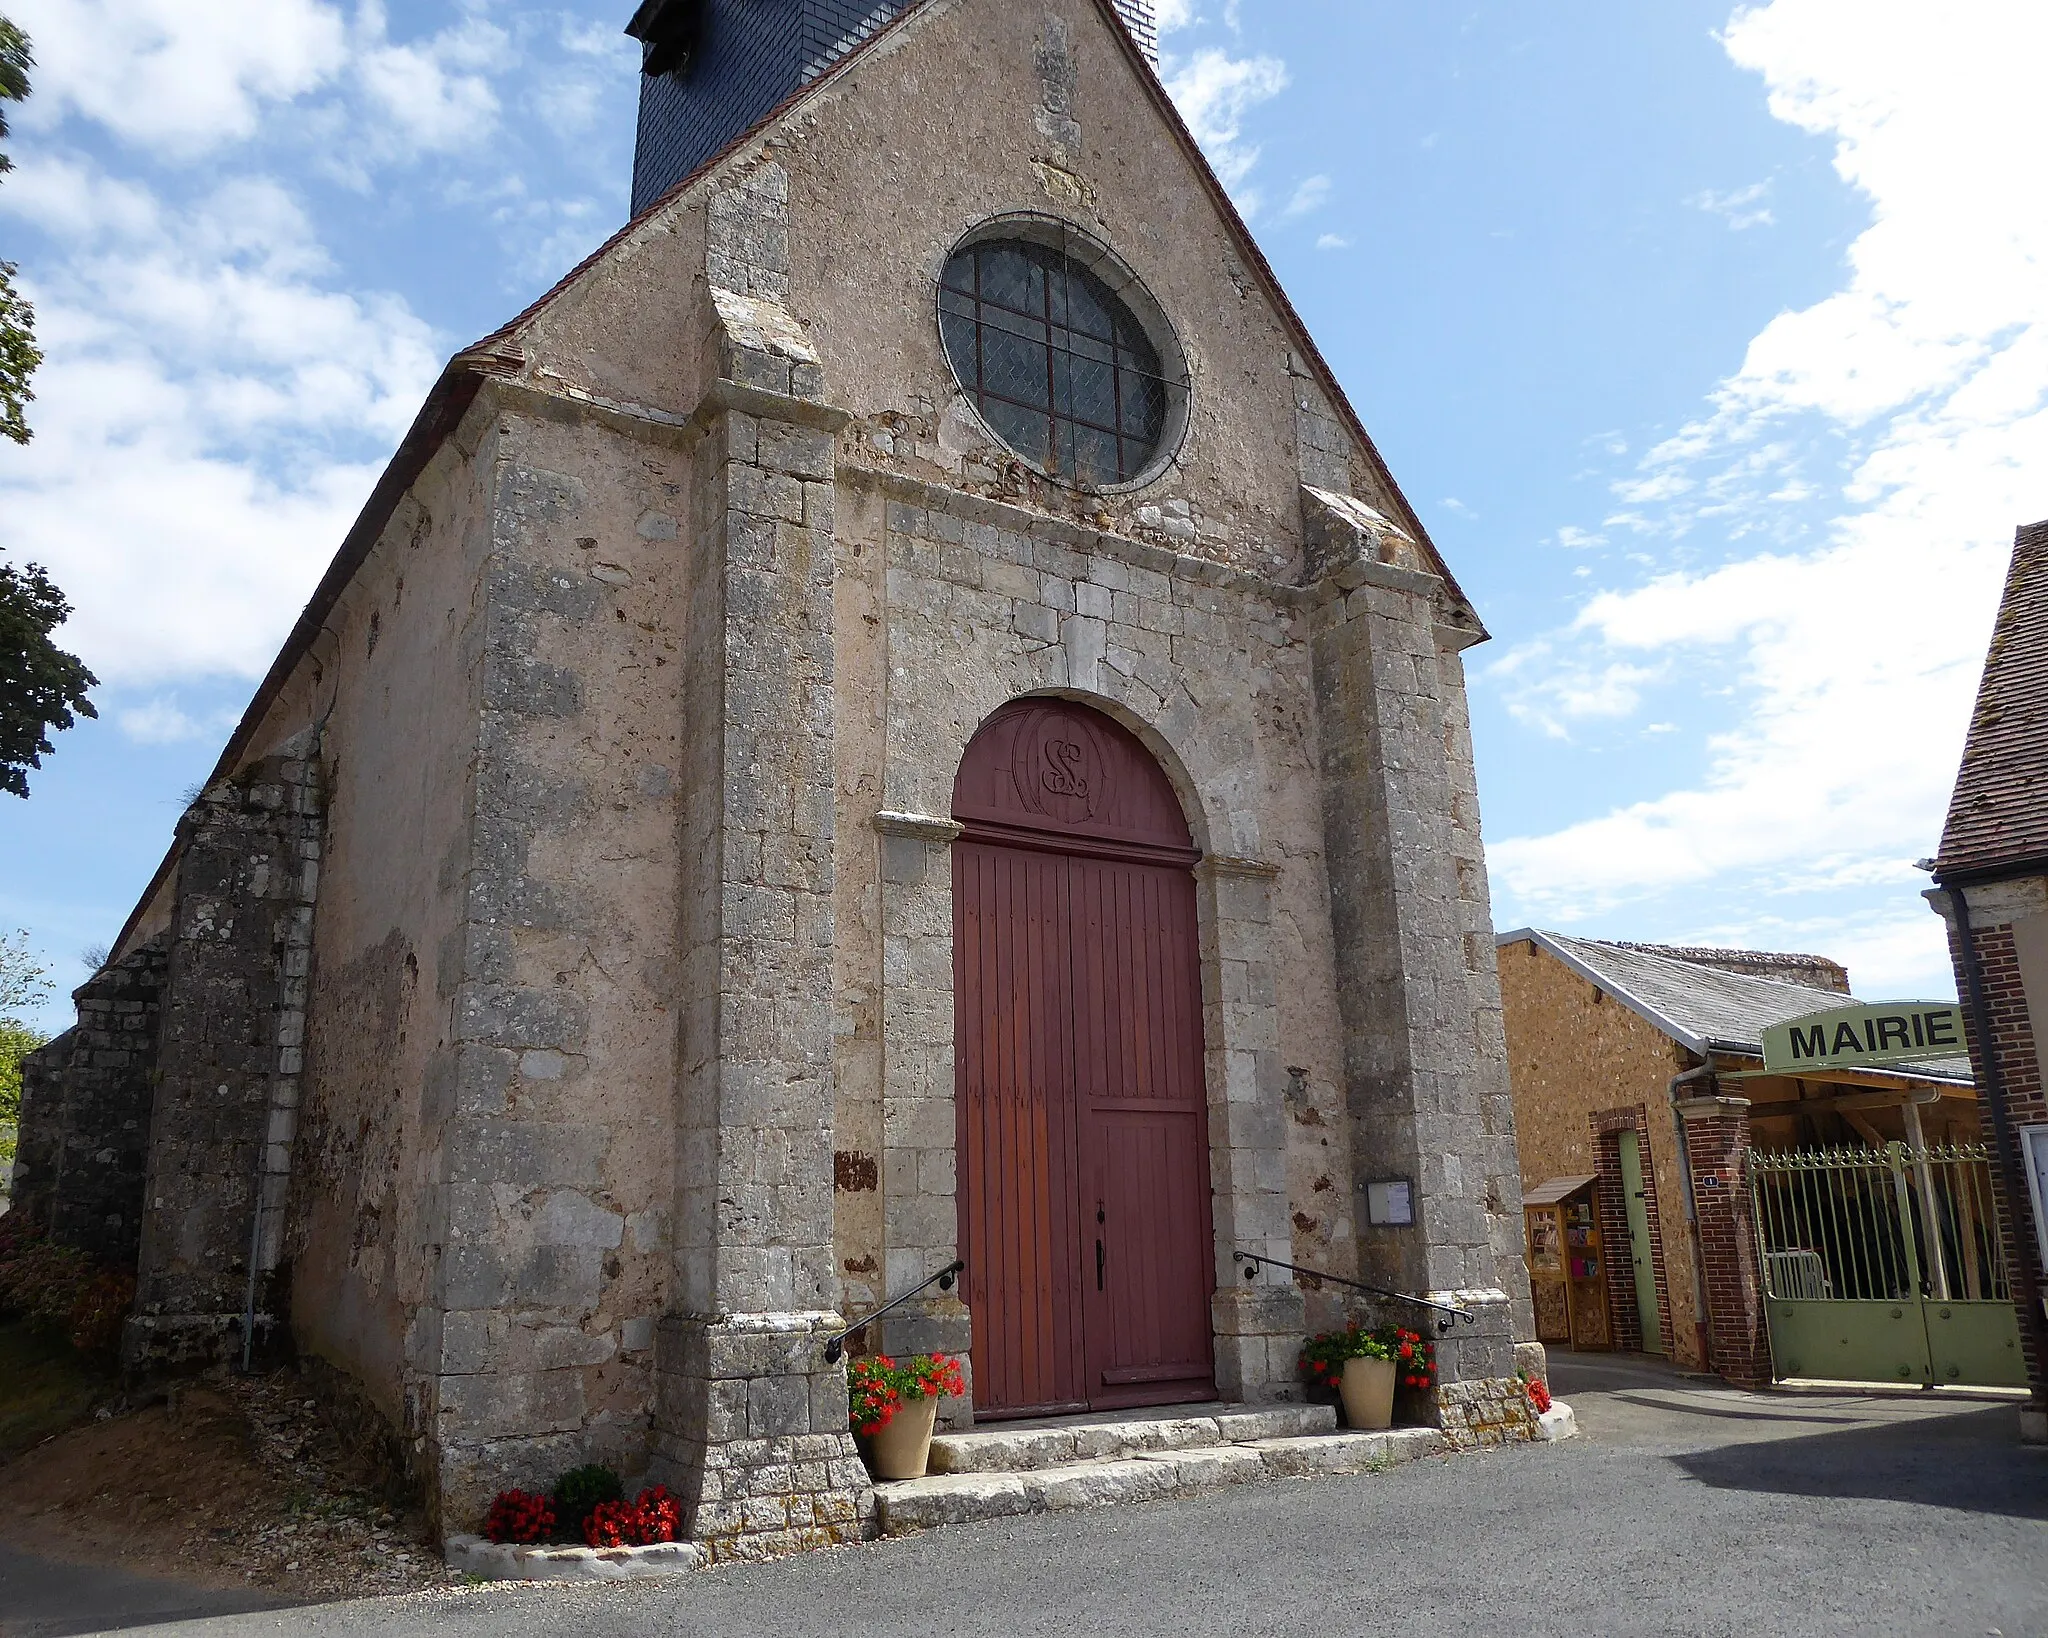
x=1368, y=1390
x=901, y=1449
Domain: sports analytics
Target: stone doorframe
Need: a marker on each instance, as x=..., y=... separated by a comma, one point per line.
x=1256, y=1330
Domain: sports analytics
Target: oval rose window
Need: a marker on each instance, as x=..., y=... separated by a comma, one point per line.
x=1056, y=360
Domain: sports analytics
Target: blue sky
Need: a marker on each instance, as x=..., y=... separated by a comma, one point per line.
x=1710, y=343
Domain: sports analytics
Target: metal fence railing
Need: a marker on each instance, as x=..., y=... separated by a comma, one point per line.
x=1875, y=1224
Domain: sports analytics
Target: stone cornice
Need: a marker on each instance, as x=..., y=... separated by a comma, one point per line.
x=1226, y=864
x=923, y=827
x=1708, y=1108
x=559, y=400
x=973, y=508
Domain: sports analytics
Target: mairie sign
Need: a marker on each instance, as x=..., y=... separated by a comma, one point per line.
x=1891, y=1032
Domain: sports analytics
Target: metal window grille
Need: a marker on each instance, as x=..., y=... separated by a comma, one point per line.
x=1055, y=361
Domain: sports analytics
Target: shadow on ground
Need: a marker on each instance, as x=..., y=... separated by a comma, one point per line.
x=47, y=1598
x=1970, y=1462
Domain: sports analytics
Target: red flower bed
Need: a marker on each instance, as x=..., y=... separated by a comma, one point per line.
x=522, y=1517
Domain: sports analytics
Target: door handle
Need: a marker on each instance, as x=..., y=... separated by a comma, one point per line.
x=1098, y=1265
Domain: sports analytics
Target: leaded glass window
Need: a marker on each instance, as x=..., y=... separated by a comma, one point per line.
x=1056, y=362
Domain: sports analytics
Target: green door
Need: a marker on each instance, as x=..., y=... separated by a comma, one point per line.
x=1639, y=1243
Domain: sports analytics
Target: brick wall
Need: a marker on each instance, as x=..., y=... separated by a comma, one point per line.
x=2019, y=1062
x=1623, y=1314
x=1717, y=1130
x=1577, y=1057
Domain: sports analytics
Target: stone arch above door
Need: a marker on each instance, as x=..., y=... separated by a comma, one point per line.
x=1054, y=765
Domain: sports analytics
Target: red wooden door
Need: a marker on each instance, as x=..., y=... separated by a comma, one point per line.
x=1082, y=1118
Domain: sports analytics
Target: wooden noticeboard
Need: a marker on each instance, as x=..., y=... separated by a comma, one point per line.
x=1567, y=1262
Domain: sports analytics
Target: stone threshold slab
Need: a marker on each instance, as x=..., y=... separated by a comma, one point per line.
x=1033, y=1446
x=961, y=1498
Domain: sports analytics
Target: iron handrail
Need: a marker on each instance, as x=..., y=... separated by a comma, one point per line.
x=835, y=1345
x=1253, y=1261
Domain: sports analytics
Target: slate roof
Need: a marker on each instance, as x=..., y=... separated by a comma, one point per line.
x=1998, y=816
x=1702, y=1008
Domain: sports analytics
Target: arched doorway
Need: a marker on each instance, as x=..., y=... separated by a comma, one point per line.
x=1082, y=1116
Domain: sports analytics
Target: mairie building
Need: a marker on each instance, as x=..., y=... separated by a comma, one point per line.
x=894, y=716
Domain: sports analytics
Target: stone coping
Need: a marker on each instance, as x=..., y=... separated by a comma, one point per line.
x=505, y=1561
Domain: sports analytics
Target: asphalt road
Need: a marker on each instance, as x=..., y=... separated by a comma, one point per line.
x=1683, y=1508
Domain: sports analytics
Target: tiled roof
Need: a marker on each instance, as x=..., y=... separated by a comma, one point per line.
x=1703, y=1008
x=1999, y=813
x=1799, y=969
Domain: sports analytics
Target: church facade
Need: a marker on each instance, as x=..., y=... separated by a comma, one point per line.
x=895, y=716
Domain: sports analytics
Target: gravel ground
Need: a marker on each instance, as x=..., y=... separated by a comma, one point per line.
x=1683, y=1509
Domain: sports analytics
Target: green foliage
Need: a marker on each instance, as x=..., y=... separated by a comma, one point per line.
x=577, y=1494
x=17, y=1041
x=15, y=61
x=40, y=684
x=63, y=1292
x=19, y=354
x=24, y=981
x=1414, y=1356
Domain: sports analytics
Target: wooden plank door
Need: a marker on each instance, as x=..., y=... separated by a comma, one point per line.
x=1020, y=1207
x=1082, y=1116
x=1639, y=1243
x=1143, y=1132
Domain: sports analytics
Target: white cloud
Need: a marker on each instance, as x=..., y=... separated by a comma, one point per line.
x=1740, y=207
x=1333, y=241
x=1214, y=91
x=162, y=721
x=175, y=76
x=1850, y=663
x=1173, y=14
x=211, y=415
x=432, y=95
x=1579, y=540
x=1310, y=195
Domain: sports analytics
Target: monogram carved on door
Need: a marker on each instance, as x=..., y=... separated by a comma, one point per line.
x=1082, y=1121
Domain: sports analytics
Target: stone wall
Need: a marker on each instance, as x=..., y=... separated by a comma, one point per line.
x=229, y=1059
x=750, y=1418
x=1415, y=987
x=85, y=1114
x=984, y=602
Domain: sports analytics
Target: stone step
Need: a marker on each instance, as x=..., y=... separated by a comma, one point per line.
x=1153, y=1475
x=1027, y=1449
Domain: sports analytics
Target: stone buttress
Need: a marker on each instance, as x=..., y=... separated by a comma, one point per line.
x=1424, y=1056
x=750, y=1419
x=230, y=1052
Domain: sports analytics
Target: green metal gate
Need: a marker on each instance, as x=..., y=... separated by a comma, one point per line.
x=1884, y=1265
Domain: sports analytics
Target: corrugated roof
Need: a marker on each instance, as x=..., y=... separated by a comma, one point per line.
x=1703, y=1008
x=1998, y=815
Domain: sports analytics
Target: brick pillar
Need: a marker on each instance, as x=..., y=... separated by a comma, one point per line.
x=229, y=1057
x=1717, y=1134
x=750, y=1420
x=85, y=1114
